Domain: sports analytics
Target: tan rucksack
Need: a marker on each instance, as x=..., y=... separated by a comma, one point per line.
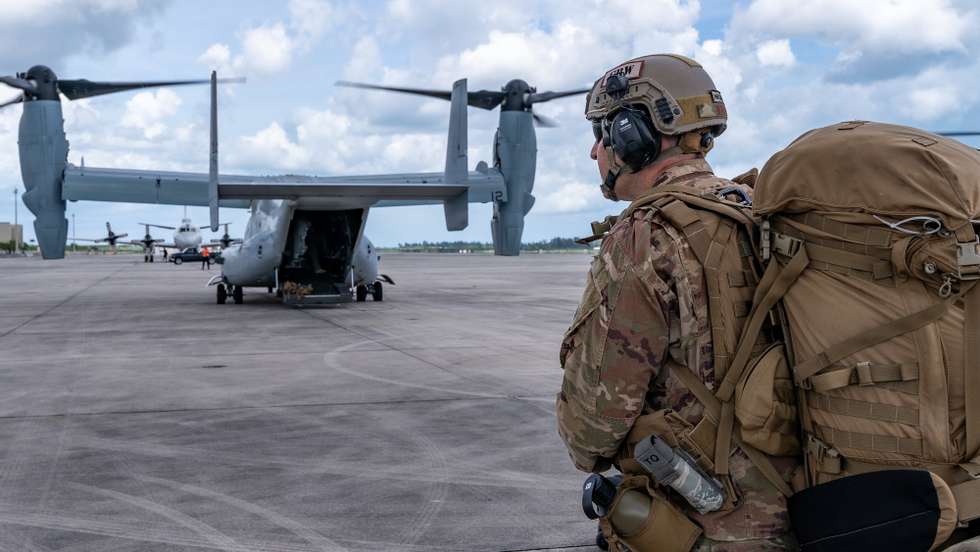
x=872, y=232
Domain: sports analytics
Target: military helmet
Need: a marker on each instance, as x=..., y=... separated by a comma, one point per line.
x=676, y=91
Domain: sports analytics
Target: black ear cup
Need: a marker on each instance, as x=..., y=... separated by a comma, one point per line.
x=633, y=138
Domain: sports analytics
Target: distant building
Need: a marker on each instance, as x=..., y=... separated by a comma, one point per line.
x=11, y=232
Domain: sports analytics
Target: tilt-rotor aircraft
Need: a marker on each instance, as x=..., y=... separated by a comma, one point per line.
x=305, y=234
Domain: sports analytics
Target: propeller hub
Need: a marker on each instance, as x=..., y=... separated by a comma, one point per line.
x=45, y=83
x=515, y=96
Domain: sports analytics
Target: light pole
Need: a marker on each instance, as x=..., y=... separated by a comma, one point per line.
x=16, y=240
x=73, y=231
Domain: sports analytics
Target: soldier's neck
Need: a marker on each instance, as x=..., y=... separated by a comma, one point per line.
x=632, y=186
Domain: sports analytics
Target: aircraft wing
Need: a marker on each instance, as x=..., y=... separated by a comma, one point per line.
x=178, y=188
x=313, y=192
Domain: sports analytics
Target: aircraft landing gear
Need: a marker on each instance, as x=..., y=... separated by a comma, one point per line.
x=151, y=258
x=270, y=289
x=222, y=294
x=238, y=295
x=146, y=258
x=361, y=293
x=376, y=292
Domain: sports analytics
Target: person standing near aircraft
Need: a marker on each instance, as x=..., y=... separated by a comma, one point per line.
x=164, y=255
x=206, y=258
x=645, y=307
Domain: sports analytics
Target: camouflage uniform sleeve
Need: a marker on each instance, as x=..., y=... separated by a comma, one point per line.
x=614, y=348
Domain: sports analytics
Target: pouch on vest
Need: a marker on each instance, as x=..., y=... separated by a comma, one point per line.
x=765, y=404
x=894, y=510
x=695, y=440
x=656, y=526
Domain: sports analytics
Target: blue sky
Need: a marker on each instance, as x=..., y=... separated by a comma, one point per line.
x=783, y=67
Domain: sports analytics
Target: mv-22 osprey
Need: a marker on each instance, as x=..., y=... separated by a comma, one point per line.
x=305, y=233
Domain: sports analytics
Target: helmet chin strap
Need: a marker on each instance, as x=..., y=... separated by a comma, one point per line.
x=616, y=168
x=689, y=143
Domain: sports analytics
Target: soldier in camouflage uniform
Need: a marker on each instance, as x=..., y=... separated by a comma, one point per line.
x=645, y=304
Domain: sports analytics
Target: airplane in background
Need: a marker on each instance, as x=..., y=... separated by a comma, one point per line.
x=225, y=241
x=305, y=236
x=186, y=236
x=111, y=238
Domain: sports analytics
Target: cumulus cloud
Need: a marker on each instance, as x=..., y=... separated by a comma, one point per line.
x=149, y=111
x=56, y=29
x=877, y=39
x=775, y=53
x=269, y=48
x=272, y=147
x=327, y=142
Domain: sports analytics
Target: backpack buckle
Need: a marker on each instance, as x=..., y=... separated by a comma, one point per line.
x=785, y=245
x=765, y=239
x=968, y=256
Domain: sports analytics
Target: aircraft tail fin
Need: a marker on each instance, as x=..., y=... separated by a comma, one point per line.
x=213, y=167
x=457, y=171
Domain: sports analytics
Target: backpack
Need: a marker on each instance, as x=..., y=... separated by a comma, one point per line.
x=870, y=235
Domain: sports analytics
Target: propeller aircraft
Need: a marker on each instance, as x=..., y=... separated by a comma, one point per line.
x=111, y=237
x=305, y=233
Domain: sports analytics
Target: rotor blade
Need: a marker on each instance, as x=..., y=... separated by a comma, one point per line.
x=84, y=88
x=18, y=99
x=157, y=226
x=543, y=121
x=960, y=133
x=18, y=83
x=484, y=99
x=539, y=97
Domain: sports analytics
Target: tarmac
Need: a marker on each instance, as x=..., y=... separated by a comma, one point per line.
x=136, y=414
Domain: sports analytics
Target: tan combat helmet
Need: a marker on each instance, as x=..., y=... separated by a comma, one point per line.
x=676, y=96
x=676, y=91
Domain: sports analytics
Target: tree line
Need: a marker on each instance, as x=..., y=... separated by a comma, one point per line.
x=554, y=244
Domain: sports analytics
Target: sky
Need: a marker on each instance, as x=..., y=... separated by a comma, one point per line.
x=783, y=68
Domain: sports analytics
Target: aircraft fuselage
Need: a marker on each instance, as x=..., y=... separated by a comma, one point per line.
x=287, y=241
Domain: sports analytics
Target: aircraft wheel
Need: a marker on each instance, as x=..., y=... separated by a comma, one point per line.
x=145, y=259
x=270, y=289
x=151, y=258
x=178, y=261
x=376, y=292
x=238, y=295
x=222, y=294
x=361, y=293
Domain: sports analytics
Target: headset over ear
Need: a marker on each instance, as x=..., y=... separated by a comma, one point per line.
x=632, y=137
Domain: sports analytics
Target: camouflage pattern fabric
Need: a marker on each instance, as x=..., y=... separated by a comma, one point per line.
x=775, y=544
x=645, y=305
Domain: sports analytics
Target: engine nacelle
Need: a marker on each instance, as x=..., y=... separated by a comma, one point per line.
x=43, y=156
x=515, y=149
